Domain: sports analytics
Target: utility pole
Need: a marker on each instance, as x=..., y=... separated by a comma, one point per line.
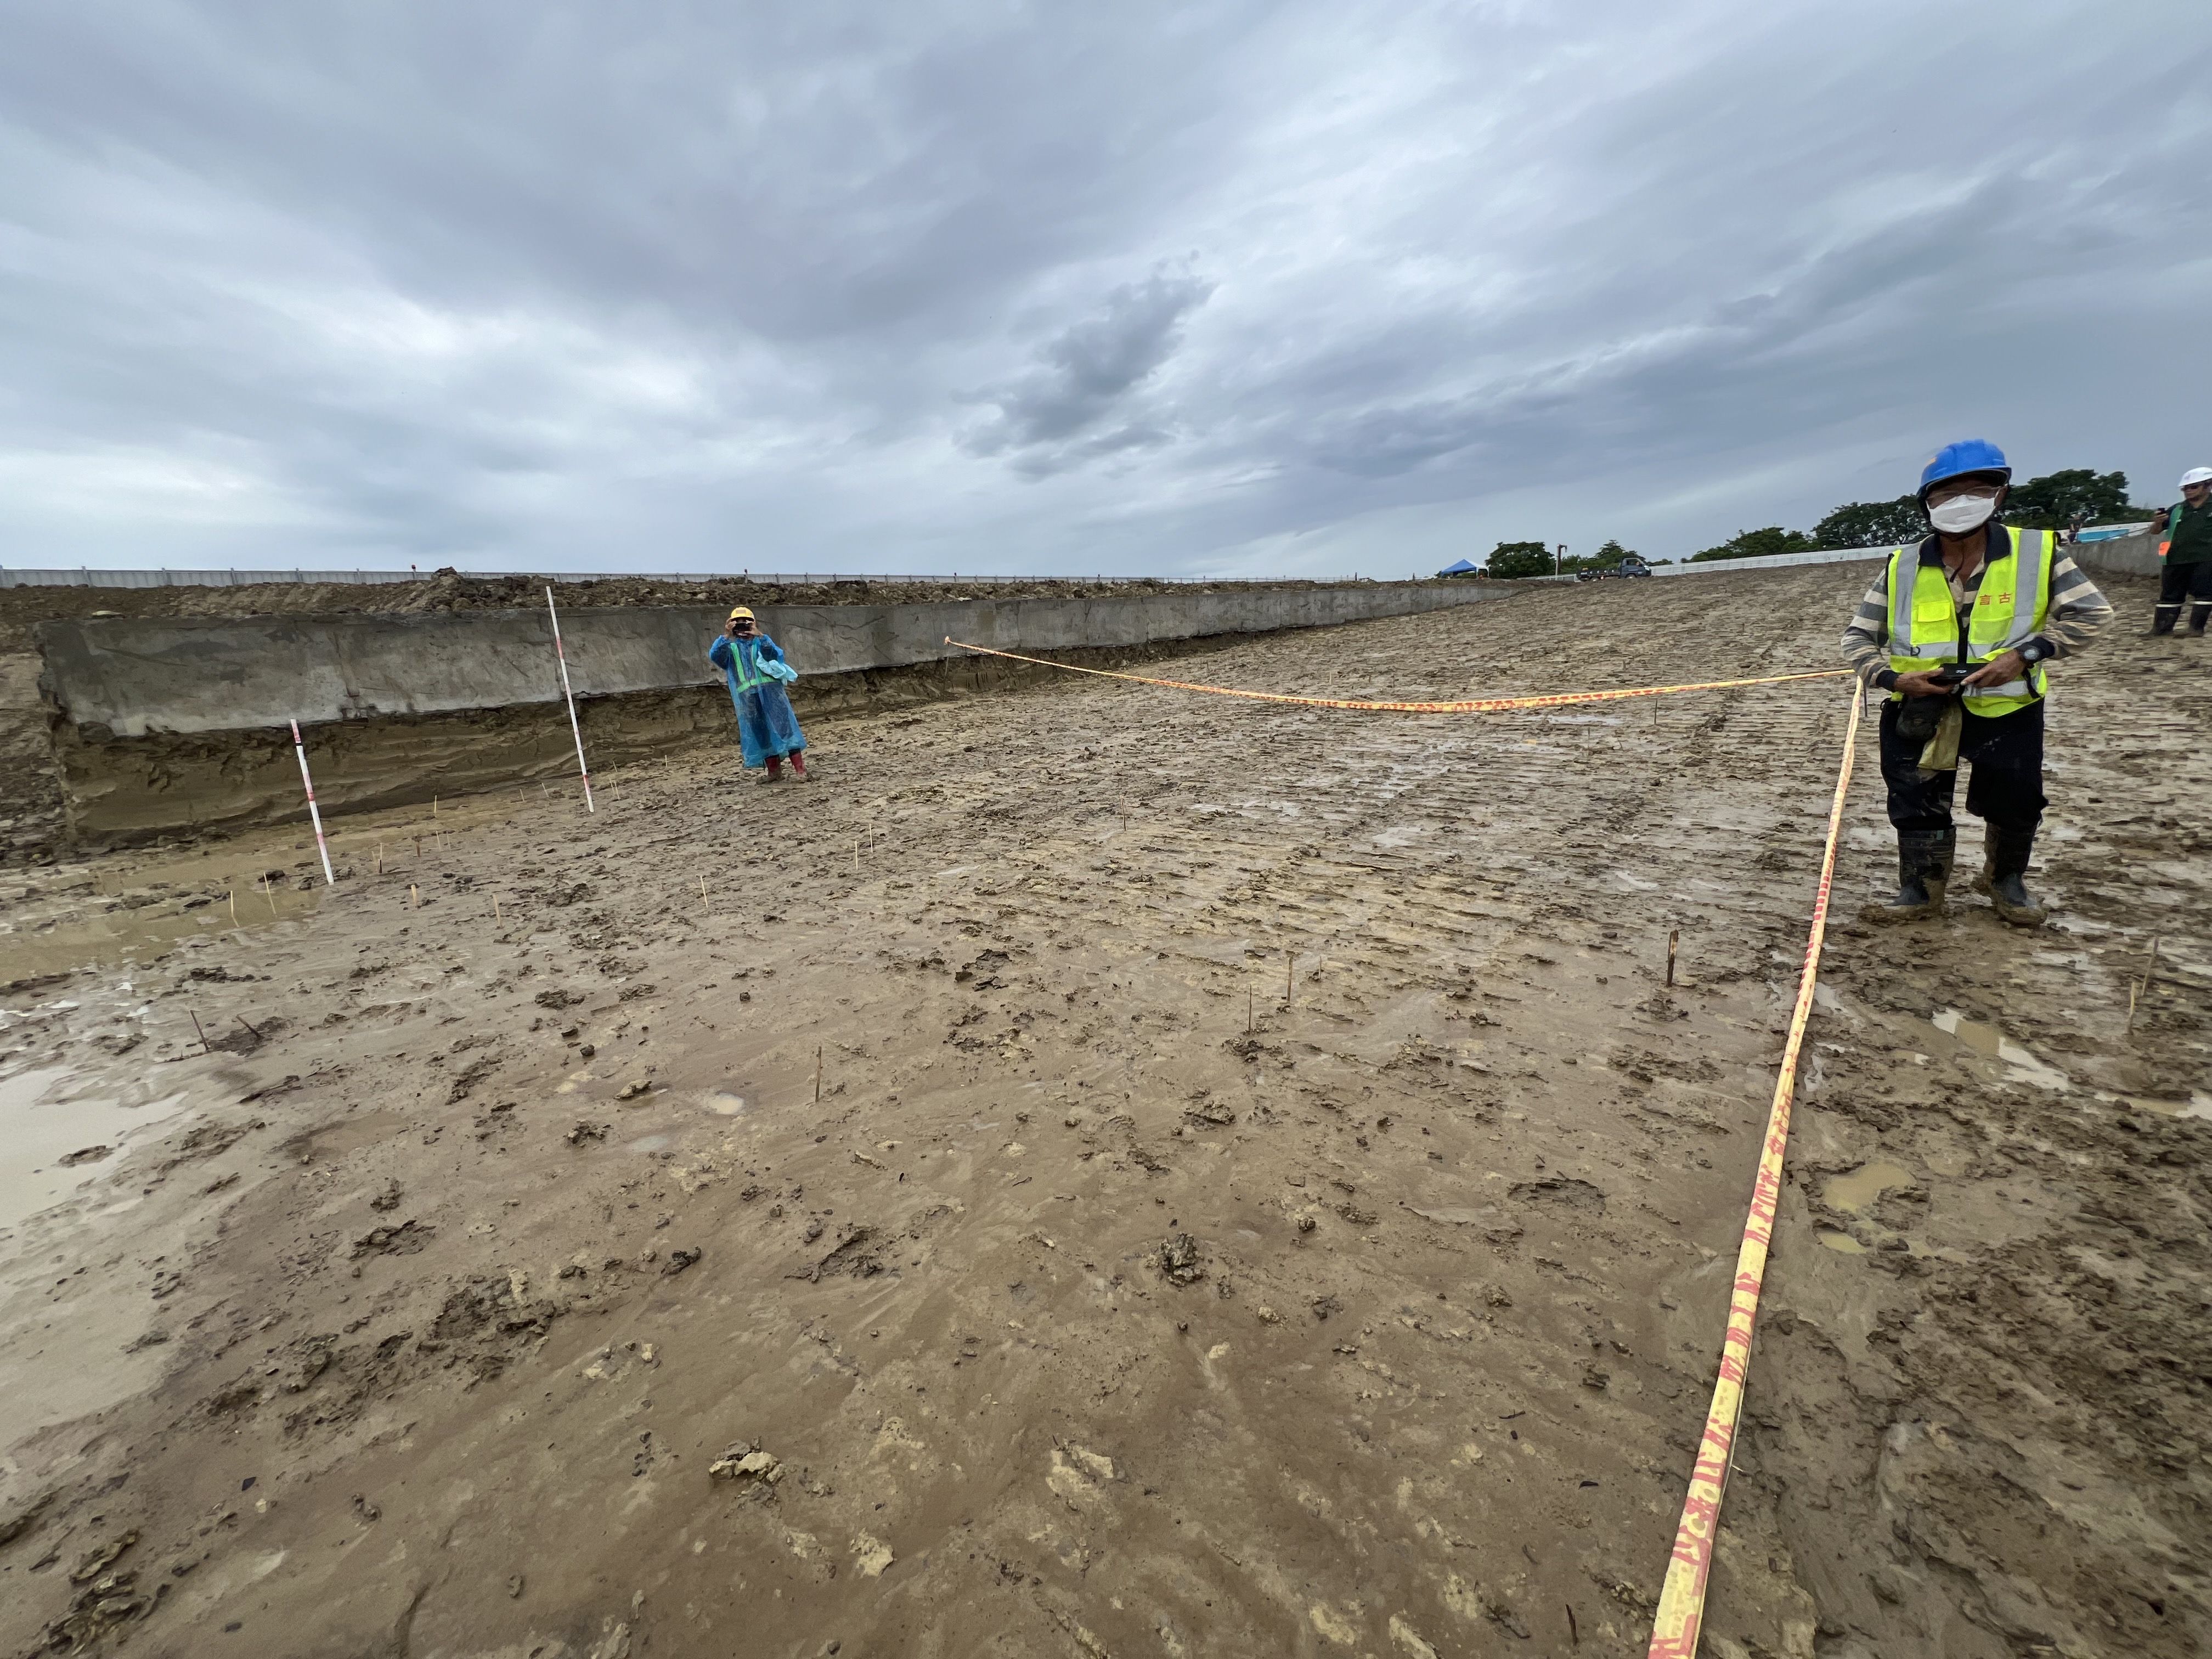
x=1559, y=561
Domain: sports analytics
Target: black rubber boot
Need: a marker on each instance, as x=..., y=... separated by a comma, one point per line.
x=1923, y=871
x=2006, y=863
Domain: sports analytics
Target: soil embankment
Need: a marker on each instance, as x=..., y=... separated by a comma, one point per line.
x=33, y=819
x=418, y=1316
x=168, y=725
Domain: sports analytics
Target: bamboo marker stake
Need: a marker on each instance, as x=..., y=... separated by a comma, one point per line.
x=568, y=692
x=380, y=858
x=233, y=908
x=496, y=915
x=2139, y=994
x=314, y=812
x=268, y=893
x=817, y=1076
x=703, y=889
x=1673, y=938
x=204, y=1047
x=433, y=806
x=414, y=896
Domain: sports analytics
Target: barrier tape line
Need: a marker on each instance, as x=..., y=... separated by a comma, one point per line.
x=1466, y=705
x=1681, y=1613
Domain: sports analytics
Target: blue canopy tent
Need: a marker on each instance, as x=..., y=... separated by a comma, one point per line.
x=1462, y=568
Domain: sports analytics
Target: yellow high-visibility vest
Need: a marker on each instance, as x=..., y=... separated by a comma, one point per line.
x=2010, y=609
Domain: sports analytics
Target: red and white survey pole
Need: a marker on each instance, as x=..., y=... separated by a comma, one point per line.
x=308, y=783
x=575, y=730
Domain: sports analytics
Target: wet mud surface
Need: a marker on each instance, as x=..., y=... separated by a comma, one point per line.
x=1261, y=1197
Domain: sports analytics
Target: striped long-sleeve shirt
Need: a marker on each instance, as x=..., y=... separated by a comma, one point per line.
x=2077, y=610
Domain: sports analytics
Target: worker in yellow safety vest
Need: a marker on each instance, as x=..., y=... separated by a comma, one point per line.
x=1957, y=630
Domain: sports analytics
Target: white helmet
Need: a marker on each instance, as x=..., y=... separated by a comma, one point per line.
x=2197, y=475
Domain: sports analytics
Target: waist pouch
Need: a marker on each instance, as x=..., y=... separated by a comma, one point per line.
x=1918, y=717
x=1935, y=723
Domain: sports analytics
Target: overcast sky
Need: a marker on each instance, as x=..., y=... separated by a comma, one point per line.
x=1204, y=287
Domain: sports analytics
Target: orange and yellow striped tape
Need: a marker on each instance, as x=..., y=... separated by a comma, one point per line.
x=1464, y=706
x=1682, y=1598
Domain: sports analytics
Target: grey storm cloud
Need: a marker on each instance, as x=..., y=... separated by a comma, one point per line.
x=1215, y=286
x=1085, y=375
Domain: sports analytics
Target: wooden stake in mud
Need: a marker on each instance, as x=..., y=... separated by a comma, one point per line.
x=1290, y=968
x=817, y=1076
x=414, y=896
x=2136, y=996
x=313, y=812
x=233, y=908
x=434, y=809
x=380, y=858
x=1247, y=1011
x=703, y=889
x=1673, y=940
x=268, y=893
x=204, y=1047
x=418, y=849
x=496, y=915
x=575, y=730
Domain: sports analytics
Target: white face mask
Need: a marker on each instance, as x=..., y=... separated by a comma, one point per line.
x=1962, y=513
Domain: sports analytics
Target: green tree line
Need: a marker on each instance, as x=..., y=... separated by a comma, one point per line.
x=1510, y=559
x=2051, y=502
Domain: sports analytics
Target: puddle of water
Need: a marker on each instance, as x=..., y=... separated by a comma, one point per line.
x=725, y=1103
x=83, y=936
x=1841, y=1243
x=1855, y=1191
x=2022, y=1065
x=39, y=1126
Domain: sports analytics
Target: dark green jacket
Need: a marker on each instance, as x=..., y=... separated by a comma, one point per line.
x=2188, y=534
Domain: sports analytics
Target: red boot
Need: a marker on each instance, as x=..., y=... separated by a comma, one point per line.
x=775, y=769
x=798, y=767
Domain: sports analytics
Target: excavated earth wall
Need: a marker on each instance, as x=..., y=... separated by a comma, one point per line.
x=161, y=725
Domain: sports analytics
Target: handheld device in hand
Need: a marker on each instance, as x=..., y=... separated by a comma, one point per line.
x=1951, y=672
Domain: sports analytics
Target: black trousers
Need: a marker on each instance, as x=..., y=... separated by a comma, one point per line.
x=2005, y=750
x=2177, y=582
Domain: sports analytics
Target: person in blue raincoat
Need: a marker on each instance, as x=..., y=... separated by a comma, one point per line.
x=754, y=670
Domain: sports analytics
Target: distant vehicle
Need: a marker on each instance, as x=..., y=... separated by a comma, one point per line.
x=1633, y=565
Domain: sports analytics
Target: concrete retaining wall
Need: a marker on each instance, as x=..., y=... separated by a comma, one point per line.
x=134, y=678
x=86, y=576
x=2122, y=555
x=1772, y=561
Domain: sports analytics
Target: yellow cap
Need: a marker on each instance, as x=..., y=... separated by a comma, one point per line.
x=741, y=611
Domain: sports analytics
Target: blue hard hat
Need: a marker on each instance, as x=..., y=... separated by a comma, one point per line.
x=1967, y=455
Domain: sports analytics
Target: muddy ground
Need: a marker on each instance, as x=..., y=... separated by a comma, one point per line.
x=1261, y=1197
